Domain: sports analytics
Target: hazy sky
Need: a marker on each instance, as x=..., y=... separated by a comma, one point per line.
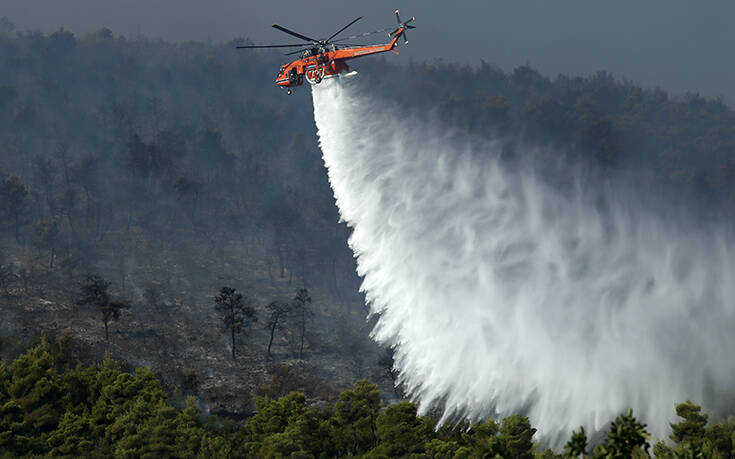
x=676, y=44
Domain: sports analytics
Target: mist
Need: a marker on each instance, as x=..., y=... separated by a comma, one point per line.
x=676, y=45
x=530, y=287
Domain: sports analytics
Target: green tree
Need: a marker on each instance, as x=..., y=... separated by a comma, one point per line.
x=624, y=437
x=273, y=417
x=577, y=445
x=4, y=383
x=356, y=411
x=151, y=432
x=400, y=432
x=95, y=293
x=692, y=427
x=482, y=440
x=35, y=399
x=662, y=451
x=236, y=314
x=721, y=435
x=72, y=438
x=516, y=435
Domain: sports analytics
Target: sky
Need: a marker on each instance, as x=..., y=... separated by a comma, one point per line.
x=678, y=45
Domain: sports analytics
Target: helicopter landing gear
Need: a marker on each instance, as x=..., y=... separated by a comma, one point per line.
x=288, y=92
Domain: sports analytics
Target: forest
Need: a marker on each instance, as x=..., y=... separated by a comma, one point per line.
x=50, y=407
x=165, y=205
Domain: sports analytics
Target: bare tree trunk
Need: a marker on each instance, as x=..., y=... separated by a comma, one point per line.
x=282, y=263
x=273, y=332
x=303, y=330
x=232, y=330
x=17, y=225
x=107, y=332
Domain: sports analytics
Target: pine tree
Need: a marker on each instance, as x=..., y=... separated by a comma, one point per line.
x=277, y=313
x=95, y=292
x=691, y=428
x=302, y=302
x=35, y=390
x=236, y=314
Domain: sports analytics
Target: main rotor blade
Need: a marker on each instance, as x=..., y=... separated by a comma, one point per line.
x=398, y=17
x=272, y=46
x=297, y=35
x=365, y=34
x=343, y=28
x=296, y=52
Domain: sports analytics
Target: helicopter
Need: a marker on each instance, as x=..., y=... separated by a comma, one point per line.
x=326, y=58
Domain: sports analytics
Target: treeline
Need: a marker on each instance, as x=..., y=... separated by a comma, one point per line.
x=49, y=407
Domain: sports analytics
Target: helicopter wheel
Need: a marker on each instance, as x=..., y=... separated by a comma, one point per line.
x=288, y=92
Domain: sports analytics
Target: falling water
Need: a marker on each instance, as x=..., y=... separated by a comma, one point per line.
x=503, y=293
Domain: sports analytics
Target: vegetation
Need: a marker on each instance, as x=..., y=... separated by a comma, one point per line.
x=277, y=314
x=95, y=293
x=302, y=306
x=49, y=407
x=235, y=311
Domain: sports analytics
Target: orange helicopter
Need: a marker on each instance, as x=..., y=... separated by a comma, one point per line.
x=327, y=58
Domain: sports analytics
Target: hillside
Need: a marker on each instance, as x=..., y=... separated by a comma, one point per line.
x=173, y=170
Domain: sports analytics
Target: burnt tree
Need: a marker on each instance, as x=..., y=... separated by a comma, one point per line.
x=236, y=314
x=95, y=292
x=277, y=313
x=13, y=195
x=302, y=303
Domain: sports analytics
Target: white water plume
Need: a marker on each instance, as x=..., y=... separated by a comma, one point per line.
x=501, y=293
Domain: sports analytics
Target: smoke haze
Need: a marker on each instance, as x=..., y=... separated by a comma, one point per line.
x=676, y=44
x=501, y=292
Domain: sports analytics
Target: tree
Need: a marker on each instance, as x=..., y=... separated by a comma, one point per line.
x=691, y=428
x=356, y=413
x=273, y=417
x=387, y=362
x=624, y=437
x=35, y=393
x=13, y=194
x=277, y=313
x=95, y=293
x=235, y=313
x=47, y=233
x=516, y=435
x=577, y=445
x=400, y=431
x=301, y=302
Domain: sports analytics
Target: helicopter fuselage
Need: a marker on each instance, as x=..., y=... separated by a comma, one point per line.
x=317, y=64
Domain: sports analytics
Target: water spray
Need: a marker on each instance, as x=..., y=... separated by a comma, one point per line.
x=501, y=293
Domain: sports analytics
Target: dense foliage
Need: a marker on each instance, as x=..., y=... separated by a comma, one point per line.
x=51, y=408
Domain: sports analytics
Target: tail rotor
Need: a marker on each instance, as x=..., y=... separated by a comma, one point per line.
x=402, y=27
